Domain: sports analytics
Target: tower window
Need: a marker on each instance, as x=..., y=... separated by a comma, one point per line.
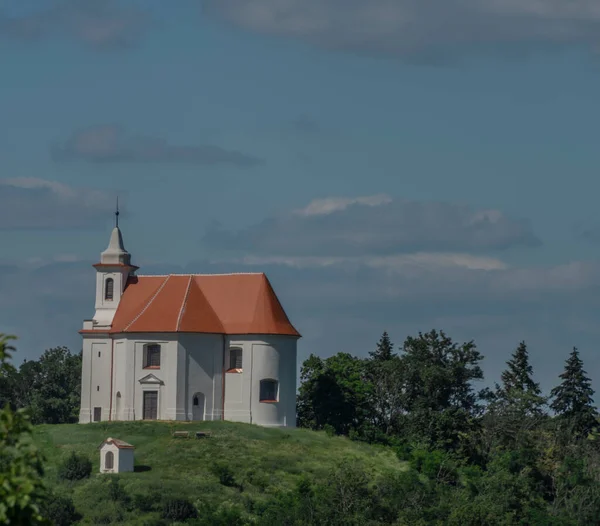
x=235, y=359
x=268, y=390
x=152, y=356
x=109, y=289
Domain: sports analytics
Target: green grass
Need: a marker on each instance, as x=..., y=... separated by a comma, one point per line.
x=262, y=461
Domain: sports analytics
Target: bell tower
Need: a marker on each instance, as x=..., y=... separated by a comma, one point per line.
x=111, y=277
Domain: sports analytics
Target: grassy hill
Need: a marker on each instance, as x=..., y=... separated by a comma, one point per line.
x=241, y=465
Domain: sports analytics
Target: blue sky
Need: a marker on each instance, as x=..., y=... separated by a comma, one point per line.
x=391, y=165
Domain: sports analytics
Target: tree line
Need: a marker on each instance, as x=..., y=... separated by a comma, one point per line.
x=49, y=387
x=504, y=455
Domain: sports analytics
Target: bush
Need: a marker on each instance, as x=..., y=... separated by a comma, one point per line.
x=145, y=502
x=224, y=473
x=60, y=511
x=179, y=510
x=75, y=467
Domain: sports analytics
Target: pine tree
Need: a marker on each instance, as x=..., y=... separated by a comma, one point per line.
x=384, y=350
x=573, y=400
x=519, y=394
x=519, y=375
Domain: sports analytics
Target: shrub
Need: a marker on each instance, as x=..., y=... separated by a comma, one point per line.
x=146, y=502
x=224, y=474
x=75, y=467
x=60, y=511
x=179, y=510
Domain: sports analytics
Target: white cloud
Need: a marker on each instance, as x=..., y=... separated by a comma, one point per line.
x=99, y=25
x=376, y=226
x=396, y=263
x=336, y=204
x=29, y=202
x=417, y=28
x=109, y=143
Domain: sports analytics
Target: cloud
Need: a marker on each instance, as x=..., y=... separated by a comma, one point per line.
x=103, y=24
x=414, y=28
x=41, y=204
x=343, y=307
x=376, y=226
x=111, y=144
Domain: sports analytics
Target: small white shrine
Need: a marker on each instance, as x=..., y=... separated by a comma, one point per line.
x=116, y=456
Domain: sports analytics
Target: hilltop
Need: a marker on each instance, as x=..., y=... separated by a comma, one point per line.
x=240, y=465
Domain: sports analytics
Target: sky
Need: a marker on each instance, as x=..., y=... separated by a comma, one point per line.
x=391, y=165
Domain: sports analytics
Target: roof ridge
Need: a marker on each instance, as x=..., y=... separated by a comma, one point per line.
x=185, y=297
x=147, y=305
x=218, y=274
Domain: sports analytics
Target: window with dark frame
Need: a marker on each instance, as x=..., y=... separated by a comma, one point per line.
x=268, y=391
x=195, y=401
x=109, y=289
x=152, y=356
x=235, y=358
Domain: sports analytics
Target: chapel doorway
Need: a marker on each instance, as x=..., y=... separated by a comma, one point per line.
x=198, y=406
x=150, y=405
x=109, y=460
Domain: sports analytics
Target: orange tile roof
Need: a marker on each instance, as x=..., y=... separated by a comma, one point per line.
x=121, y=444
x=206, y=303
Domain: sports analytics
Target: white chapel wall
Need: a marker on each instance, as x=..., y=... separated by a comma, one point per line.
x=95, y=378
x=202, y=374
x=166, y=372
x=263, y=357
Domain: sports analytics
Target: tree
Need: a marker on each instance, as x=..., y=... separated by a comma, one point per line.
x=519, y=393
x=50, y=387
x=21, y=488
x=518, y=376
x=387, y=378
x=439, y=396
x=517, y=406
x=573, y=400
x=334, y=392
x=384, y=350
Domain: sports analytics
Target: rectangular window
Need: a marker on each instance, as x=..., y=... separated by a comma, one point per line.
x=109, y=289
x=98, y=354
x=97, y=414
x=268, y=390
x=152, y=356
x=235, y=358
x=97, y=388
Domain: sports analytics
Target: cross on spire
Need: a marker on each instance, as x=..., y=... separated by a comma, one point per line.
x=117, y=214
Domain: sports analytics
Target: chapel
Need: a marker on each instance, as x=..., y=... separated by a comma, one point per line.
x=186, y=347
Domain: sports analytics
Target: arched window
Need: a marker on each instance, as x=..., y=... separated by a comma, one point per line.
x=152, y=356
x=109, y=460
x=235, y=359
x=268, y=390
x=109, y=288
x=195, y=401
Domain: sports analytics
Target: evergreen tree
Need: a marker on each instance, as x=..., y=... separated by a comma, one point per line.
x=573, y=400
x=519, y=393
x=384, y=350
x=519, y=375
x=516, y=410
